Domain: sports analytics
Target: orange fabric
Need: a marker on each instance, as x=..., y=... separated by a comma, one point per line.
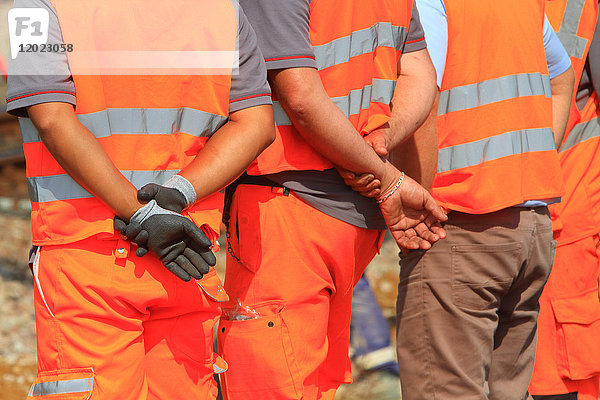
x=474, y=59
x=298, y=267
x=567, y=356
x=142, y=332
x=342, y=78
x=90, y=27
x=578, y=214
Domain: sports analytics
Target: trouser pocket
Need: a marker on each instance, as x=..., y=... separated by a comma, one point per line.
x=578, y=320
x=262, y=363
x=63, y=384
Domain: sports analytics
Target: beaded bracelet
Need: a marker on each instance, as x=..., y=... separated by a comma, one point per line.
x=393, y=190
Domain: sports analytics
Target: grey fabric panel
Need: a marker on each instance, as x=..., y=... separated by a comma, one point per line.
x=360, y=42
x=137, y=121
x=380, y=91
x=43, y=189
x=506, y=144
x=327, y=192
x=494, y=90
x=582, y=132
x=282, y=29
x=61, y=387
x=251, y=78
x=415, y=39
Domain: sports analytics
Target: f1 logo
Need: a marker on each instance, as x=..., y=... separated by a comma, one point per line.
x=27, y=26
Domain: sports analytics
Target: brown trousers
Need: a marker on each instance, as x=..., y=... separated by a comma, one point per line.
x=467, y=308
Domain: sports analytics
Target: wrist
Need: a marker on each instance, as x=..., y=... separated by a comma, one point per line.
x=389, y=178
x=384, y=195
x=183, y=186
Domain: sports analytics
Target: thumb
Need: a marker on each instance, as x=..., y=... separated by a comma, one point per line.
x=432, y=206
x=377, y=142
x=148, y=192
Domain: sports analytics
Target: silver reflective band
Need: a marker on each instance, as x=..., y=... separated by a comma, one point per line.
x=494, y=90
x=136, y=121
x=43, y=189
x=358, y=43
x=582, y=132
x=567, y=32
x=506, y=144
x=381, y=91
x=61, y=387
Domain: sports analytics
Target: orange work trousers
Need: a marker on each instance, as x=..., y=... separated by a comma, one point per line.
x=290, y=274
x=568, y=356
x=112, y=326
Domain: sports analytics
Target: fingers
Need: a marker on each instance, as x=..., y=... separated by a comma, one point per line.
x=207, y=255
x=197, y=261
x=184, y=263
x=196, y=234
x=119, y=224
x=141, y=251
x=147, y=192
x=178, y=271
x=373, y=193
x=132, y=230
x=377, y=141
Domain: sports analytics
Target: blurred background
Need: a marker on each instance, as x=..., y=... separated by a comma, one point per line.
x=17, y=327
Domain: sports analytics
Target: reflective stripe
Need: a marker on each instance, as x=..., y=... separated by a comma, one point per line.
x=506, y=144
x=582, y=132
x=381, y=91
x=359, y=42
x=61, y=387
x=494, y=90
x=62, y=187
x=569, y=26
x=152, y=121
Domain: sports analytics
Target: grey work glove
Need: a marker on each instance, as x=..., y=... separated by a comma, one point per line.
x=180, y=245
x=176, y=195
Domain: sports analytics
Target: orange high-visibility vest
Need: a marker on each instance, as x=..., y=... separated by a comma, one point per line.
x=357, y=55
x=578, y=214
x=151, y=126
x=496, y=147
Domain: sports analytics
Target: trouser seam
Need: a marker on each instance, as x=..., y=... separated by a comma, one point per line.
x=426, y=330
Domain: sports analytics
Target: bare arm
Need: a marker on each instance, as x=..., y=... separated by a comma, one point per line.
x=417, y=156
x=231, y=150
x=78, y=152
x=415, y=92
x=562, y=94
x=323, y=125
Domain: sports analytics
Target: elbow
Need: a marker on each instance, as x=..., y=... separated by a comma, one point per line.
x=296, y=103
x=50, y=117
x=268, y=135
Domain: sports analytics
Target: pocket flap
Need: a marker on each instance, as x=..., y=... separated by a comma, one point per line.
x=213, y=287
x=71, y=384
x=583, y=309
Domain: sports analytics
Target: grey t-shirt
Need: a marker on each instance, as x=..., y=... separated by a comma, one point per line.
x=54, y=83
x=282, y=28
